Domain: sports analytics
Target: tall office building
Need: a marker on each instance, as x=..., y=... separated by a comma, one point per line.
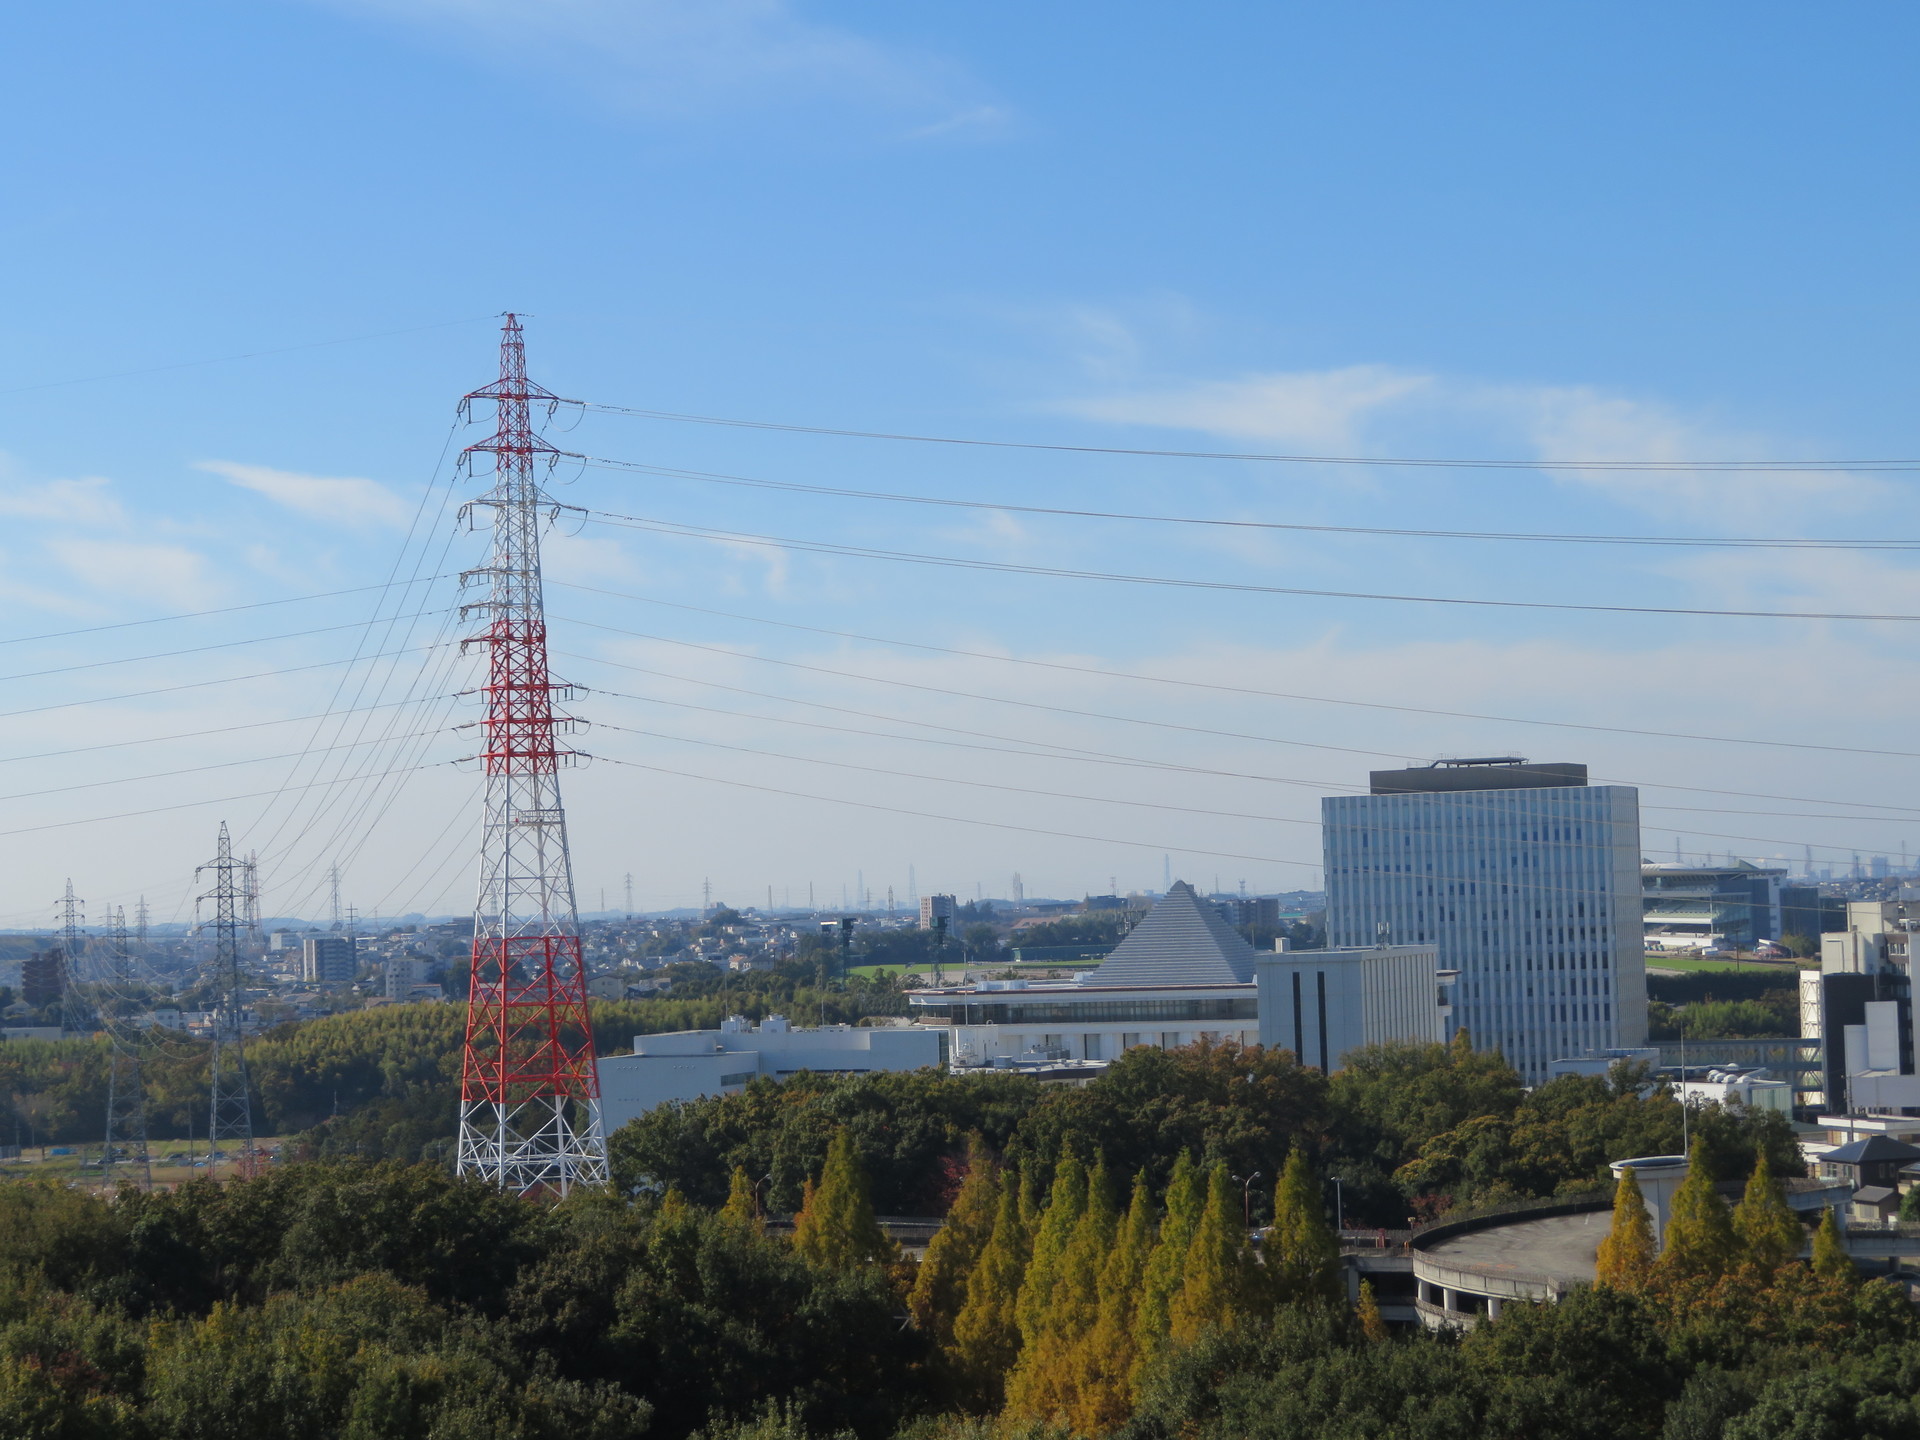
x=1525, y=877
x=329, y=960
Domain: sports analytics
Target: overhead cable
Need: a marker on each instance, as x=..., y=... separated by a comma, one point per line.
x=1004, y=567
x=1425, y=463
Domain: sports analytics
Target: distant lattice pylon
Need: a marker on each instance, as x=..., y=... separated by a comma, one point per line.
x=529, y=1095
x=125, y=1149
x=230, y=1104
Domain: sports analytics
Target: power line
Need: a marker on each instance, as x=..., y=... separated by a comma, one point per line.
x=1426, y=463
x=197, y=649
x=1005, y=567
x=1105, y=674
x=1690, y=541
x=243, y=355
x=203, y=614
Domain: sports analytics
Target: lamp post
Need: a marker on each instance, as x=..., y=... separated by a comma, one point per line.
x=758, y=1199
x=1246, y=1199
x=1339, y=1205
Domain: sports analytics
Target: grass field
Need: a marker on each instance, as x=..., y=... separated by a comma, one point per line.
x=171, y=1163
x=1687, y=964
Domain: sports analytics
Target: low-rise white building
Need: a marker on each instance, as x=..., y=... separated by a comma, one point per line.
x=691, y=1064
x=1182, y=975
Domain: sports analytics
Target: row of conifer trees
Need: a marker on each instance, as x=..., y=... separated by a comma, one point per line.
x=1049, y=1303
x=1707, y=1240
x=1051, y=1307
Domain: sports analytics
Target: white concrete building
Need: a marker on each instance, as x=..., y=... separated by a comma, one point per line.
x=1322, y=1003
x=1182, y=975
x=1525, y=877
x=690, y=1064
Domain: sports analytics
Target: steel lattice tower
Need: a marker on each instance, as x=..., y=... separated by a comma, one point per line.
x=126, y=1139
x=76, y=1014
x=529, y=1096
x=230, y=1106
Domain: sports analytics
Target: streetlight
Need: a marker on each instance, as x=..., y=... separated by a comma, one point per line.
x=1246, y=1199
x=758, y=1200
x=1339, y=1205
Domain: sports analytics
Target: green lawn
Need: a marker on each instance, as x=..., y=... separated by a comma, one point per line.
x=1688, y=963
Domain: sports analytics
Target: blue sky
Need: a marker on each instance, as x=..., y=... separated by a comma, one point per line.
x=1381, y=229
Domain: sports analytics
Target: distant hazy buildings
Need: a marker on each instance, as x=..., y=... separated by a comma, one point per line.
x=1525, y=878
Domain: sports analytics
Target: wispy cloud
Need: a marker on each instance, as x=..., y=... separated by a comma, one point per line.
x=1384, y=411
x=78, y=502
x=1317, y=409
x=340, y=500
x=170, y=573
x=698, y=55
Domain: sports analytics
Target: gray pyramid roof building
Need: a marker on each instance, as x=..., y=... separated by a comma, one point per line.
x=1182, y=941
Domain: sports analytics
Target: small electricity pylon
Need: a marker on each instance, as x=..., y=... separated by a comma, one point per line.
x=126, y=1140
x=230, y=1108
x=75, y=1013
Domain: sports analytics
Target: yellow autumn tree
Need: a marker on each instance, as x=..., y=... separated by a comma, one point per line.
x=1046, y=1385
x=1366, y=1313
x=742, y=1210
x=1103, y=1367
x=1166, y=1267
x=1626, y=1254
x=1065, y=1201
x=1302, y=1252
x=835, y=1228
x=1219, y=1288
x=986, y=1332
x=1699, y=1243
x=940, y=1284
x=1768, y=1232
x=1830, y=1258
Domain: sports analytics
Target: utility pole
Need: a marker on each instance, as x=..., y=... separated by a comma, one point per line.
x=529, y=1093
x=230, y=1105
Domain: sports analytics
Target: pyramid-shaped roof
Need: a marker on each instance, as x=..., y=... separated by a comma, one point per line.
x=1182, y=941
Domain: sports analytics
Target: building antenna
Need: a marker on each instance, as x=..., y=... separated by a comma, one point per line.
x=230, y=1106
x=529, y=1094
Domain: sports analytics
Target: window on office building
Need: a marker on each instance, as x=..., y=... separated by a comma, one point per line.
x=1169, y=1039
x=1090, y=1047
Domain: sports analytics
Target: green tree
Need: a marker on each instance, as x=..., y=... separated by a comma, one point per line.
x=940, y=1285
x=986, y=1332
x=1699, y=1242
x=1065, y=1201
x=1830, y=1258
x=1302, y=1252
x=835, y=1228
x=1219, y=1290
x=1626, y=1254
x=1768, y=1232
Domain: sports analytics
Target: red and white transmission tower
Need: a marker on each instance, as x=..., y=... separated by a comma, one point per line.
x=529, y=1096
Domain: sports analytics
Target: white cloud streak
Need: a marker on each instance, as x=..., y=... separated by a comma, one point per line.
x=338, y=500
